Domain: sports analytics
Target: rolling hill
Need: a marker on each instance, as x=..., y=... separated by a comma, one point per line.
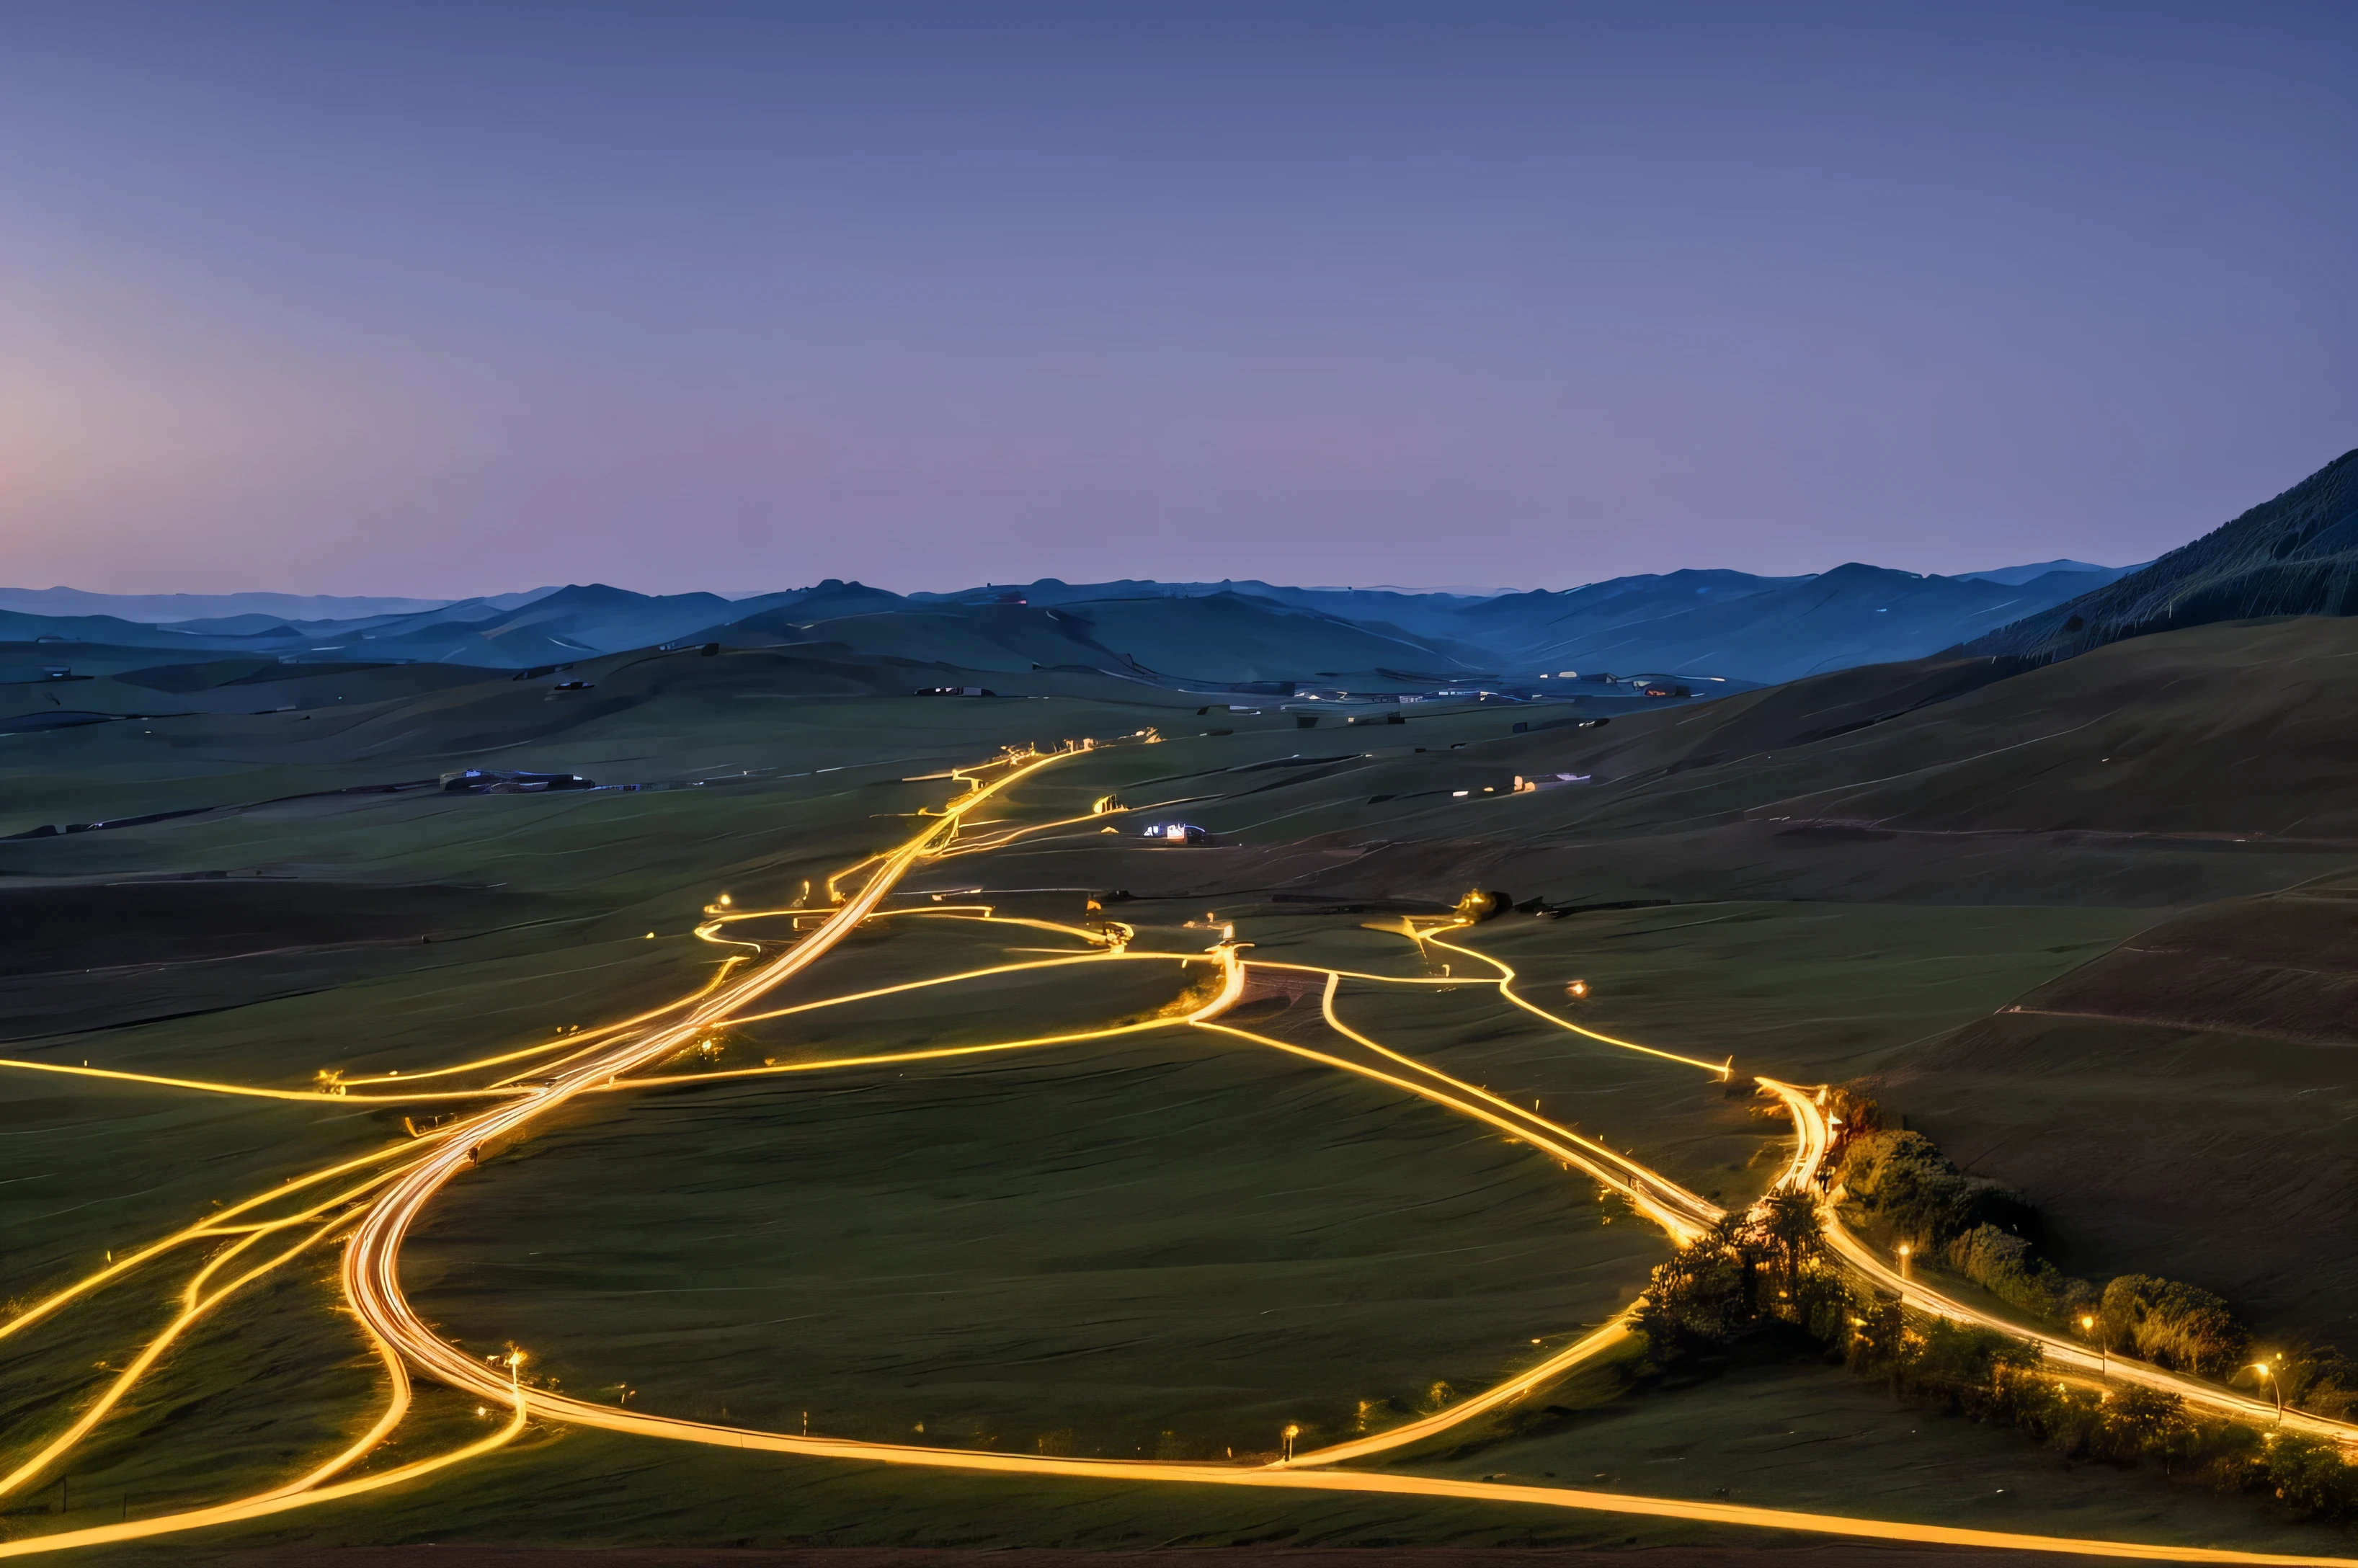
x=1761, y=629
x=2295, y=555
x=2085, y=923
x=1730, y=624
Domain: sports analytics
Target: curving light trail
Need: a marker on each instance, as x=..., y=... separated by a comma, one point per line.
x=603, y=1060
x=309, y=1097
x=1505, y=984
x=1912, y=1292
x=279, y=1499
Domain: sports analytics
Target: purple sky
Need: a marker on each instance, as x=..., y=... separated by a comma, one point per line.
x=430, y=300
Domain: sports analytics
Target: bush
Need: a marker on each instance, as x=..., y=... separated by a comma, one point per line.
x=2008, y=1267
x=1958, y=1355
x=1908, y=1188
x=2309, y=1475
x=2142, y=1422
x=2172, y=1324
x=1879, y=1342
x=2320, y=1379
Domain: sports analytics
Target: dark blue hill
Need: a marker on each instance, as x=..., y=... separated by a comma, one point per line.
x=2295, y=555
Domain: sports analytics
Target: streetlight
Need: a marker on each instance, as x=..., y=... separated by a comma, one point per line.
x=2275, y=1383
x=2103, y=1351
x=1289, y=1434
x=1905, y=1251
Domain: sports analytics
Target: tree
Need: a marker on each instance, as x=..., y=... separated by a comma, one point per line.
x=1696, y=1303
x=1789, y=1227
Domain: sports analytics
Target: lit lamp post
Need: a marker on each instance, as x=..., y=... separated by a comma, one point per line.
x=1905, y=1252
x=1289, y=1434
x=2103, y=1351
x=2274, y=1383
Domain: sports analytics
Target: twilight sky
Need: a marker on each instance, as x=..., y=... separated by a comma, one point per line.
x=422, y=298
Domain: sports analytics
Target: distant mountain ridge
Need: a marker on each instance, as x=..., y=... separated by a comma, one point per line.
x=1750, y=629
x=2014, y=576
x=209, y=611
x=2294, y=555
x=1762, y=629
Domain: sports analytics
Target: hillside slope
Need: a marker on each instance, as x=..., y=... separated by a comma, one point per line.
x=2297, y=555
x=1219, y=638
x=2184, y=796
x=1763, y=629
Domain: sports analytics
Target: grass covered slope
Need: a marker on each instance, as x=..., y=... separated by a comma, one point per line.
x=2185, y=1095
x=1171, y=1248
x=2192, y=786
x=1170, y=1241
x=1758, y=629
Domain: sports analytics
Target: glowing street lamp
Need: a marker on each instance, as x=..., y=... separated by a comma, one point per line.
x=2275, y=1382
x=1289, y=1434
x=1577, y=989
x=2103, y=1351
x=1906, y=1251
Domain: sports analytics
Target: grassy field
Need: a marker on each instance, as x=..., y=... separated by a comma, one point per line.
x=1167, y=1243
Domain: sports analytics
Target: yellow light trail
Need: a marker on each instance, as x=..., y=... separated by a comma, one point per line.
x=278, y=1500
x=195, y=1304
x=1626, y=1176
x=191, y=1312
x=965, y=975
x=1507, y=989
x=981, y=912
x=308, y=1096
x=579, y=1038
x=1588, y=1347
x=1001, y=840
x=1683, y=1228
x=1284, y=1479
x=370, y=1264
x=210, y=1226
x=1914, y=1292
x=886, y=1059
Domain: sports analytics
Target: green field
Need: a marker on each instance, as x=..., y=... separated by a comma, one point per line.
x=1170, y=1243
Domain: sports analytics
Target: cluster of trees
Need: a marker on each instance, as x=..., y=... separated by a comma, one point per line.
x=1741, y=1280
x=1993, y=1378
x=1762, y=1281
x=1903, y=1188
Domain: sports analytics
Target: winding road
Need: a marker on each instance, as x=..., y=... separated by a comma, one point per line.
x=371, y=1204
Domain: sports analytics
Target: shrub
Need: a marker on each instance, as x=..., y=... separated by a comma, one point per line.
x=1879, y=1342
x=2320, y=1379
x=2172, y=1324
x=1968, y=1353
x=1908, y=1188
x=2141, y=1422
x=2008, y=1268
x=2309, y=1475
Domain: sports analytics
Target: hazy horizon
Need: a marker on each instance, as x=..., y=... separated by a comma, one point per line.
x=426, y=601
